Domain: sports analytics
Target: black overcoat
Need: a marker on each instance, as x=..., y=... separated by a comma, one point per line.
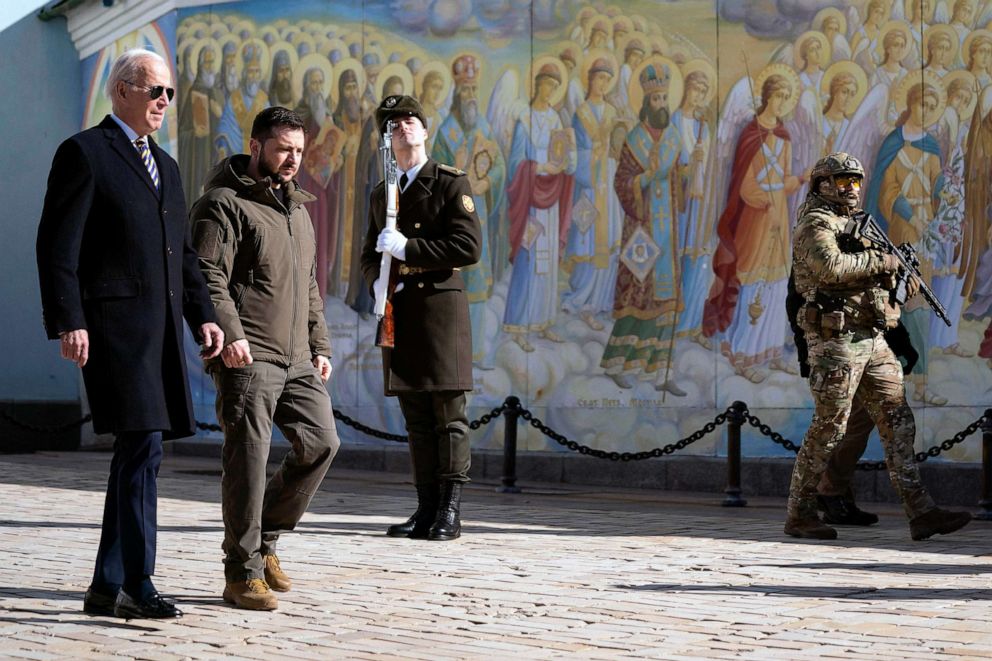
x=433, y=346
x=115, y=258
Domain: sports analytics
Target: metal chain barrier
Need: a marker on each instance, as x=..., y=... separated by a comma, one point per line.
x=574, y=446
x=933, y=451
x=564, y=441
x=45, y=429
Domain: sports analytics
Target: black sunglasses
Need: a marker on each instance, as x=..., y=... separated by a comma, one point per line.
x=154, y=91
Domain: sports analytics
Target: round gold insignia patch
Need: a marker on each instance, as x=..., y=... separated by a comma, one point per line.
x=468, y=203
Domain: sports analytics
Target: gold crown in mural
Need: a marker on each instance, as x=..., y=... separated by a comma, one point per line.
x=465, y=69
x=655, y=78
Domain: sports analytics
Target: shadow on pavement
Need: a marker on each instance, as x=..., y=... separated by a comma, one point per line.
x=852, y=592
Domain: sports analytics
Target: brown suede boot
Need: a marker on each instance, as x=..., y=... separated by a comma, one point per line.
x=275, y=576
x=809, y=528
x=937, y=522
x=252, y=595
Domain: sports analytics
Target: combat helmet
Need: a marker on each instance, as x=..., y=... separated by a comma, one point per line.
x=836, y=163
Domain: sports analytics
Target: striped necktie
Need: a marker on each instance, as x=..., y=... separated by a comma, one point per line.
x=146, y=158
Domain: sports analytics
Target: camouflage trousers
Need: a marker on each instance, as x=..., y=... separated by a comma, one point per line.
x=841, y=368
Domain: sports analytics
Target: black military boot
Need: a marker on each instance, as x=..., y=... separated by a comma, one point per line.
x=447, y=525
x=937, y=522
x=839, y=510
x=419, y=523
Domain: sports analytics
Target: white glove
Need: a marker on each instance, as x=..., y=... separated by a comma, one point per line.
x=393, y=242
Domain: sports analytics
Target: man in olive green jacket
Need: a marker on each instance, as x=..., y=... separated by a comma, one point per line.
x=257, y=252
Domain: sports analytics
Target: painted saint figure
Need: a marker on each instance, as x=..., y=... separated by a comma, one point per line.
x=646, y=294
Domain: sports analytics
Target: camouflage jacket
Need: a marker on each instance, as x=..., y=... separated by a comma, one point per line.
x=834, y=273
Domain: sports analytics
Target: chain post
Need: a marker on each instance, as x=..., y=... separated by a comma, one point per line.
x=735, y=419
x=986, y=502
x=512, y=413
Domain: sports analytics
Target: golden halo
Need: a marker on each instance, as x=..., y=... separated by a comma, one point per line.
x=860, y=78
x=315, y=61
x=433, y=66
x=269, y=34
x=335, y=45
x=399, y=70
x=231, y=20
x=280, y=23
x=348, y=64
x=811, y=34
x=964, y=74
x=901, y=91
x=624, y=22
x=230, y=39
x=831, y=12
x=966, y=45
x=285, y=46
x=218, y=29
x=568, y=45
x=195, y=27
x=895, y=25
x=598, y=19
x=371, y=49
x=789, y=74
x=301, y=39
x=264, y=60
x=659, y=45
x=949, y=32
x=636, y=94
x=587, y=63
x=242, y=26
x=536, y=66
x=194, y=58
x=643, y=41
x=703, y=66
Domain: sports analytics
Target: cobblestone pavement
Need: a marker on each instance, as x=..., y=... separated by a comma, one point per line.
x=549, y=573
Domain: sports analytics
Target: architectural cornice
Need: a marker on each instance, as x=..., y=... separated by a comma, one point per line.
x=93, y=26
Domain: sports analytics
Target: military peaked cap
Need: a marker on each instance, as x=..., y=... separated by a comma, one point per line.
x=398, y=105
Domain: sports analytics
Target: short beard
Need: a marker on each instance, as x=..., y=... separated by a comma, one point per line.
x=231, y=81
x=352, y=108
x=266, y=170
x=282, y=92
x=656, y=119
x=207, y=78
x=251, y=88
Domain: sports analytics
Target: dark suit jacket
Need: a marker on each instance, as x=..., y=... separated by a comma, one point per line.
x=115, y=258
x=433, y=349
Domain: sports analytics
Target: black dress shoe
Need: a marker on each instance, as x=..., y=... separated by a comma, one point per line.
x=154, y=607
x=99, y=603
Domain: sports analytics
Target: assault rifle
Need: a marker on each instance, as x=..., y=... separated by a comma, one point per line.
x=867, y=228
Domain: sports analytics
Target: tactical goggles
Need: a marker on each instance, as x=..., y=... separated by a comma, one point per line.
x=847, y=180
x=154, y=91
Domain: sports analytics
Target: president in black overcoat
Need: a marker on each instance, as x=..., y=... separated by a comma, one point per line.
x=118, y=275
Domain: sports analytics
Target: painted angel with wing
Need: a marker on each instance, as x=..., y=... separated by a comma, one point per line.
x=746, y=303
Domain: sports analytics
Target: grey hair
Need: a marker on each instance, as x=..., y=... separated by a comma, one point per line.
x=127, y=66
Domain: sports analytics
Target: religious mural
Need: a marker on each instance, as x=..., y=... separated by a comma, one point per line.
x=637, y=168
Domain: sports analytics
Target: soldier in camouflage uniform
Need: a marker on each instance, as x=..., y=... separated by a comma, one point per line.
x=845, y=287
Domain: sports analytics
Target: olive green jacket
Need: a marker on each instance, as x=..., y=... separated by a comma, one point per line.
x=257, y=253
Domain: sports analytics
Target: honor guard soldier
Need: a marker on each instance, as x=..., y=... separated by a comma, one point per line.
x=429, y=367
